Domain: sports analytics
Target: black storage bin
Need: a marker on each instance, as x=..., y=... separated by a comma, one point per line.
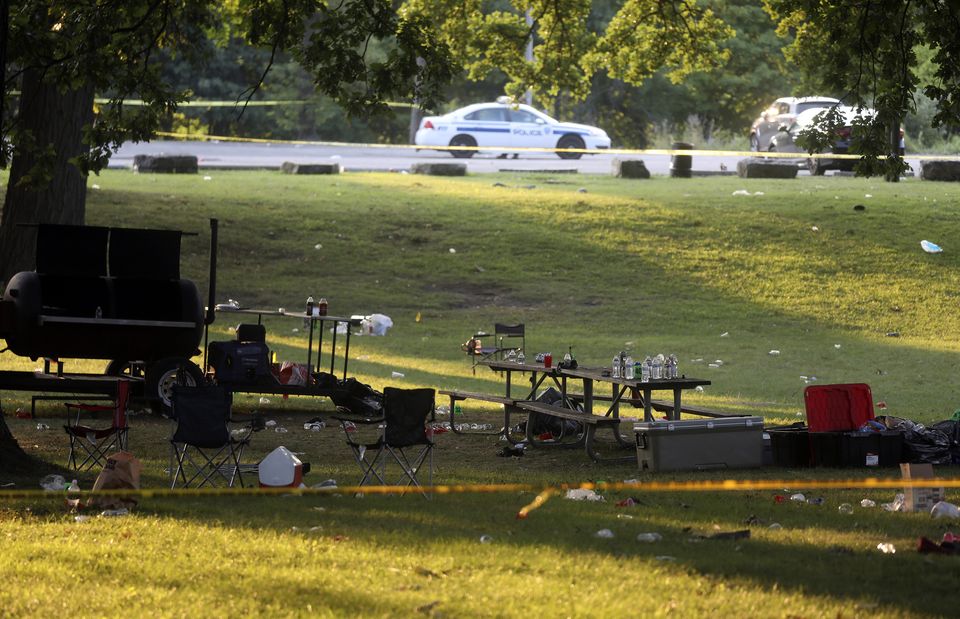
x=790, y=448
x=856, y=449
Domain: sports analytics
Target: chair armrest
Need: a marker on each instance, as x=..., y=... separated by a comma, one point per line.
x=90, y=408
x=355, y=420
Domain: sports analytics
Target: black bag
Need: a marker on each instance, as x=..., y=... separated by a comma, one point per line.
x=239, y=362
x=357, y=398
x=554, y=425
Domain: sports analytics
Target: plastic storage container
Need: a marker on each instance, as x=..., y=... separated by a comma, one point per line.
x=700, y=444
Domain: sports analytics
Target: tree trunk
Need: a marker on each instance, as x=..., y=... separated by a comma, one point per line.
x=53, y=120
x=12, y=458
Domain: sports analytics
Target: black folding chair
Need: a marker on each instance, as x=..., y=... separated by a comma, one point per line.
x=201, y=440
x=90, y=446
x=505, y=340
x=403, y=427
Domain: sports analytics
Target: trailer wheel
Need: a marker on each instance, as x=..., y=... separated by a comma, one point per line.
x=120, y=367
x=162, y=376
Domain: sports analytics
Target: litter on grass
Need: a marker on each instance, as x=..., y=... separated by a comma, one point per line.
x=930, y=248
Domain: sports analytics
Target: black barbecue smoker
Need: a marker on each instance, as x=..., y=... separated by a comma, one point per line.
x=114, y=294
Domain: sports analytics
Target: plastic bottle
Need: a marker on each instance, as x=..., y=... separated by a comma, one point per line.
x=73, y=496
x=98, y=313
x=322, y=307
x=628, y=368
x=657, y=372
x=308, y=312
x=521, y=358
x=615, y=366
x=647, y=371
x=674, y=366
x=649, y=537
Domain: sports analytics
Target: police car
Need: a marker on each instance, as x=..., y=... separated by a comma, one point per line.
x=505, y=124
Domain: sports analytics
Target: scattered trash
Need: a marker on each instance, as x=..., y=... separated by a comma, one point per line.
x=893, y=334
x=886, y=548
x=845, y=508
x=815, y=500
x=452, y=250
x=280, y=430
x=837, y=346
x=798, y=497
x=946, y=547
x=511, y=451
x=815, y=228
x=741, y=192
x=22, y=414
x=270, y=423
x=582, y=190
x=604, y=534
x=73, y=496
x=881, y=404
x=649, y=537
x=868, y=503
x=396, y=374
x=725, y=334
x=896, y=505
x=53, y=483
x=713, y=365
x=95, y=186
x=775, y=526
x=930, y=248
x=318, y=246
x=486, y=539
x=314, y=425
x=625, y=516
x=582, y=494
x=208, y=178
x=9, y=484
x=942, y=509
x=779, y=498
x=774, y=353
x=107, y=513
x=81, y=518
x=628, y=502
x=42, y=427
x=698, y=389
x=868, y=195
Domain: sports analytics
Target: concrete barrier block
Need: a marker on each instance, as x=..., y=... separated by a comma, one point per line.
x=940, y=170
x=289, y=167
x=759, y=167
x=165, y=164
x=630, y=168
x=440, y=169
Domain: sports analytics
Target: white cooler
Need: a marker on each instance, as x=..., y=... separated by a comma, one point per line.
x=700, y=444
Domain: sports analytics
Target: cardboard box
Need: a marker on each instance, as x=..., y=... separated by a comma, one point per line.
x=695, y=444
x=919, y=499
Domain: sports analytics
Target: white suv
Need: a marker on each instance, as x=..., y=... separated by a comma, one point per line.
x=782, y=112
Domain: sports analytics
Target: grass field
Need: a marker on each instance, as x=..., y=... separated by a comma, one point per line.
x=597, y=264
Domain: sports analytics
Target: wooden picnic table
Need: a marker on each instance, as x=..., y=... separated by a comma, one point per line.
x=567, y=408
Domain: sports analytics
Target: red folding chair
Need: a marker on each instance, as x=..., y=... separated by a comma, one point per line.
x=90, y=446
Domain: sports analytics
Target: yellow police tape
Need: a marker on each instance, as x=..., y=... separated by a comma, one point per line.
x=542, y=490
x=526, y=149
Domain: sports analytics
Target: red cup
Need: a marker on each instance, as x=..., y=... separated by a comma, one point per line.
x=548, y=360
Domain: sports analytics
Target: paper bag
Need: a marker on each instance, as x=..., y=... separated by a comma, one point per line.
x=122, y=472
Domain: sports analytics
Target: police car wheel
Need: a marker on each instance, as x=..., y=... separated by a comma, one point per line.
x=570, y=141
x=463, y=140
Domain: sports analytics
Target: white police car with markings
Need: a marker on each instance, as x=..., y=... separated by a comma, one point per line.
x=506, y=125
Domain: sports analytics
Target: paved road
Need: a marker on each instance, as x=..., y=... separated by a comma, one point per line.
x=219, y=155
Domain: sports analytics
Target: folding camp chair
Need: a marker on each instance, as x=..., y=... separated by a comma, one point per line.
x=202, y=440
x=403, y=426
x=501, y=332
x=94, y=444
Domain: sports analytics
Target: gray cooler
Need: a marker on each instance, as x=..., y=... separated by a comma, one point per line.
x=700, y=444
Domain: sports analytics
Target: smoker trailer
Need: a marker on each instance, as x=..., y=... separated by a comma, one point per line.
x=114, y=294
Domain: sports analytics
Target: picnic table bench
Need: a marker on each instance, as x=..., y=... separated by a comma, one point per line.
x=589, y=422
x=509, y=405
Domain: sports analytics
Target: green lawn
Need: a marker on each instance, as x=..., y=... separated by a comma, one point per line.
x=599, y=264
